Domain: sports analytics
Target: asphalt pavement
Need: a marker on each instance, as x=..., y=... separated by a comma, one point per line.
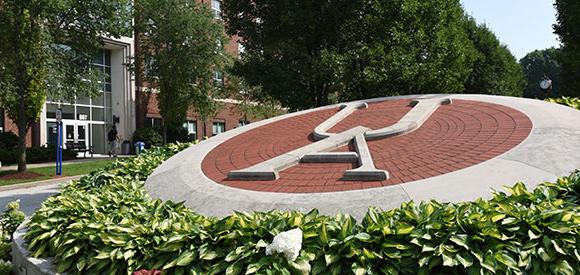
x=30, y=198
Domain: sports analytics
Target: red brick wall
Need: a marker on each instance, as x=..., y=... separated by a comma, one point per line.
x=10, y=126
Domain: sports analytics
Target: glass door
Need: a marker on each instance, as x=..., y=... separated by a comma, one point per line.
x=81, y=133
x=76, y=132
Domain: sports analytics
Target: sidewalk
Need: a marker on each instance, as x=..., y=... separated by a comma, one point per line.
x=33, y=184
x=66, y=162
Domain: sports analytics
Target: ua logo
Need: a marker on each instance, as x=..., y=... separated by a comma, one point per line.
x=320, y=151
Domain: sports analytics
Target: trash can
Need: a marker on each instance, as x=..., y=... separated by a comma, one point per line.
x=126, y=148
x=139, y=147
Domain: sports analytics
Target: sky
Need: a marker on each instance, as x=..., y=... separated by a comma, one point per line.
x=522, y=25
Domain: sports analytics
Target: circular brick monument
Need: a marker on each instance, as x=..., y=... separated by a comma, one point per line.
x=379, y=152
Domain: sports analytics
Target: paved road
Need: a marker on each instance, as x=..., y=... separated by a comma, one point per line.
x=30, y=198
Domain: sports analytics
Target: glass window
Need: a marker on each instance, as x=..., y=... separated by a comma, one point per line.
x=109, y=115
x=108, y=58
x=98, y=57
x=108, y=99
x=98, y=114
x=51, y=133
x=83, y=113
x=241, y=48
x=153, y=122
x=51, y=110
x=191, y=127
x=218, y=78
x=148, y=122
x=84, y=100
x=218, y=127
x=68, y=111
x=97, y=134
x=216, y=8
x=99, y=100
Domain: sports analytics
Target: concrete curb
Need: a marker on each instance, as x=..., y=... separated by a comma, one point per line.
x=23, y=262
x=38, y=183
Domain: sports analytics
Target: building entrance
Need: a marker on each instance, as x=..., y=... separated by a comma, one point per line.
x=75, y=131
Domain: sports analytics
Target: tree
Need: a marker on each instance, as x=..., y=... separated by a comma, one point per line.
x=495, y=70
x=403, y=47
x=252, y=102
x=287, y=47
x=568, y=28
x=181, y=49
x=307, y=53
x=536, y=66
x=46, y=49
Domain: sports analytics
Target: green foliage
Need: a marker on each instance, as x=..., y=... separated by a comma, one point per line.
x=568, y=29
x=305, y=53
x=573, y=102
x=253, y=103
x=181, y=49
x=495, y=70
x=8, y=140
x=107, y=223
x=10, y=219
x=537, y=65
x=149, y=135
x=5, y=267
x=288, y=47
x=404, y=47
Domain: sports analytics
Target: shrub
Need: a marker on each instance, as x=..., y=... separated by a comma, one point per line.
x=106, y=222
x=149, y=135
x=35, y=155
x=8, y=140
x=11, y=218
x=573, y=102
x=177, y=134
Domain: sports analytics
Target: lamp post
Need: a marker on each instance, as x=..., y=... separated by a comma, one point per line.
x=546, y=86
x=59, y=139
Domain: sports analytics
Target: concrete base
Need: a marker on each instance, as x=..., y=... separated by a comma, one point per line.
x=23, y=263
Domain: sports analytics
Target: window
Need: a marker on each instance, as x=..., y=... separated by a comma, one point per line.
x=216, y=8
x=243, y=123
x=191, y=127
x=218, y=78
x=151, y=122
x=218, y=127
x=241, y=49
x=1, y=120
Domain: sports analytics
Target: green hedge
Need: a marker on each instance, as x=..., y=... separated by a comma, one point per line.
x=107, y=223
x=573, y=102
x=35, y=155
x=9, y=221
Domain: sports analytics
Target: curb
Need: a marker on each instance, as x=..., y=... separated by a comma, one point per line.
x=38, y=183
x=23, y=262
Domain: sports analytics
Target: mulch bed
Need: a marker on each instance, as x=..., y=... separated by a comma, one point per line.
x=21, y=176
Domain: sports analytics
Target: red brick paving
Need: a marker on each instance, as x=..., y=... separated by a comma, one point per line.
x=456, y=136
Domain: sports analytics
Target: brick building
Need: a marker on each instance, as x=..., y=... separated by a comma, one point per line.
x=122, y=102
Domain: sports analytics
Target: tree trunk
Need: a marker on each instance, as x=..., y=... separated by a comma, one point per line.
x=140, y=104
x=164, y=133
x=22, y=84
x=22, y=129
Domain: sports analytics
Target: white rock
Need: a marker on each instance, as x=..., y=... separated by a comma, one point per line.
x=288, y=242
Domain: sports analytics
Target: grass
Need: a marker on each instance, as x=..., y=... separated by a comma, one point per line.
x=49, y=172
